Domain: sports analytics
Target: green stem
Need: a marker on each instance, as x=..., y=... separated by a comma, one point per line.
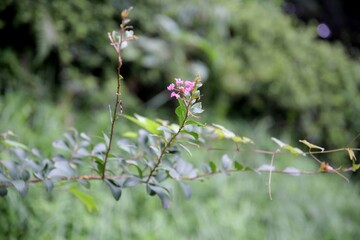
x=168, y=144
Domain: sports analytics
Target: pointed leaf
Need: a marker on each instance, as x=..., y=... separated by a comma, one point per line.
x=278, y=142
x=193, y=134
x=20, y=186
x=213, y=167
x=238, y=166
x=14, y=144
x=196, y=108
x=49, y=185
x=146, y=123
x=106, y=139
x=164, y=197
x=85, y=198
x=60, y=144
x=186, y=149
x=180, y=111
x=311, y=146
x=131, y=182
x=115, y=188
x=291, y=149
x=196, y=123
x=186, y=189
x=174, y=174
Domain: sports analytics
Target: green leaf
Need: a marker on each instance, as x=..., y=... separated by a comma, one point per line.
x=99, y=165
x=13, y=144
x=185, y=148
x=194, y=134
x=355, y=167
x=114, y=187
x=238, y=166
x=193, y=122
x=293, y=150
x=311, y=146
x=146, y=123
x=106, y=139
x=85, y=198
x=181, y=111
x=223, y=132
x=241, y=139
x=213, y=167
x=130, y=134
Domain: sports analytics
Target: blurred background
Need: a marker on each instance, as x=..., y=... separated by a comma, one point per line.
x=288, y=69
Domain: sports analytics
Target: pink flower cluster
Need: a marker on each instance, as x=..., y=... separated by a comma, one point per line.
x=180, y=88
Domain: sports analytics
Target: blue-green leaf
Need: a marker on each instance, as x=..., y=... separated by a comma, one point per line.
x=20, y=186
x=49, y=185
x=114, y=187
x=196, y=108
x=161, y=193
x=131, y=181
x=62, y=169
x=61, y=144
x=186, y=189
x=226, y=162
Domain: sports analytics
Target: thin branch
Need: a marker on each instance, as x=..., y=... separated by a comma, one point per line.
x=198, y=177
x=168, y=144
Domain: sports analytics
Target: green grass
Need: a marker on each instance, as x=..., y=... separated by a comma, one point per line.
x=222, y=207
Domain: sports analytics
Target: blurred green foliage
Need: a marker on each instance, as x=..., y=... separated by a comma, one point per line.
x=257, y=61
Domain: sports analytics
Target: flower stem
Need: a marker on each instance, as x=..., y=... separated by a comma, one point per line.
x=169, y=143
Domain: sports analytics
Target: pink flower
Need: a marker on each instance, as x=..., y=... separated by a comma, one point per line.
x=189, y=86
x=180, y=88
x=171, y=87
x=179, y=82
x=173, y=94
